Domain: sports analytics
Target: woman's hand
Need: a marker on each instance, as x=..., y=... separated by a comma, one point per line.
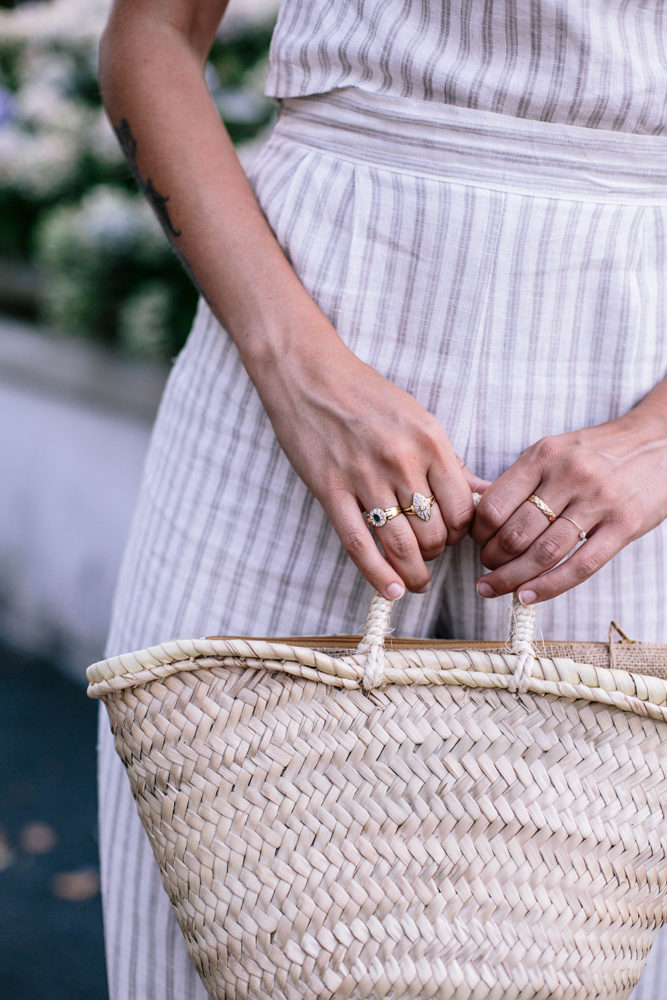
x=358, y=442
x=610, y=480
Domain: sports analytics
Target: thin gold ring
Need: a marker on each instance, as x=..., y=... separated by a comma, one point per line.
x=379, y=515
x=420, y=506
x=543, y=508
x=582, y=533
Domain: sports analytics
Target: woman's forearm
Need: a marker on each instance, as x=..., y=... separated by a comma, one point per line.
x=355, y=439
x=153, y=87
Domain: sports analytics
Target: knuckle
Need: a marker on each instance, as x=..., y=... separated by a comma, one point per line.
x=628, y=522
x=581, y=467
x=432, y=549
x=548, y=450
x=590, y=563
x=417, y=581
x=547, y=549
x=459, y=521
x=511, y=541
x=491, y=514
x=606, y=496
x=427, y=430
x=354, y=540
x=402, y=544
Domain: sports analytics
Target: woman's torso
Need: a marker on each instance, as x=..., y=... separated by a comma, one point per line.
x=593, y=63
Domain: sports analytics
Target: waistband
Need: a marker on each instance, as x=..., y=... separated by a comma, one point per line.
x=479, y=147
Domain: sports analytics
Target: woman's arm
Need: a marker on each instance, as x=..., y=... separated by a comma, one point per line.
x=610, y=479
x=356, y=440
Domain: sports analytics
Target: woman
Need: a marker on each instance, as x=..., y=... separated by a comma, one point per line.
x=452, y=245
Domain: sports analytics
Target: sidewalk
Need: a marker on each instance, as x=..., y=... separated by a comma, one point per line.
x=50, y=912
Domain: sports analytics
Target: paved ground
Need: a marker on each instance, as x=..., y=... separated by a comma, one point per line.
x=50, y=915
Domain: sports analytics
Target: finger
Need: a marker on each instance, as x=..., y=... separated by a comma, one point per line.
x=431, y=534
x=475, y=482
x=503, y=497
x=582, y=564
x=454, y=498
x=522, y=529
x=399, y=544
x=350, y=526
x=548, y=549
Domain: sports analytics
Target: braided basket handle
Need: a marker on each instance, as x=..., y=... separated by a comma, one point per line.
x=521, y=638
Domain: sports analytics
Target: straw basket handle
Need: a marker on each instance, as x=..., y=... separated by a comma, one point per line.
x=522, y=635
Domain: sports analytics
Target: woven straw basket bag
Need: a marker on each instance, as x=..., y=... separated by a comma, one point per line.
x=403, y=819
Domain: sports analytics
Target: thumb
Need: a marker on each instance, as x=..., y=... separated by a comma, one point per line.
x=475, y=482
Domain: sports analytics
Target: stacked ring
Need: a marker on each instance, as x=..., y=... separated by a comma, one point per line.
x=420, y=506
x=582, y=533
x=379, y=516
x=543, y=508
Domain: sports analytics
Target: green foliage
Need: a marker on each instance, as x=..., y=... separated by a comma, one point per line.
x=108, y=268
x=68, y=203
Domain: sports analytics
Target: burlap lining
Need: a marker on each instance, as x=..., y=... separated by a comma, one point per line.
x=648, y=658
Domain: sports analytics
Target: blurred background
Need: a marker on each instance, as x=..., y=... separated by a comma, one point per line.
x=93, y=308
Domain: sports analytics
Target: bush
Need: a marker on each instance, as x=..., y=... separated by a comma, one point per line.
x=98, y=258
x=68, y=203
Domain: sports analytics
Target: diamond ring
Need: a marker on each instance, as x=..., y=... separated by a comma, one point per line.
x=420, y=506
x=379, y=516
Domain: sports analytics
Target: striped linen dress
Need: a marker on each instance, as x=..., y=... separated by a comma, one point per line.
x=475, y=193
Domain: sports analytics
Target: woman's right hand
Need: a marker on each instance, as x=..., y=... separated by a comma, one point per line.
x=358, y=441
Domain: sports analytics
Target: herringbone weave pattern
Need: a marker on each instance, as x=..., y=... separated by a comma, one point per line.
x=448, y=839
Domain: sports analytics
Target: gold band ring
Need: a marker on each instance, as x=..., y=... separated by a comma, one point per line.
x=582, y=533
x=420, y=506
x=379, y=516
x=543, y=508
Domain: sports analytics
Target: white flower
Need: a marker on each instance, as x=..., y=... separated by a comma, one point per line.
x=69, y=21
x=101, y=140
x=72, y=21
x=38, y=164
x=116, y=220
x=242, y=14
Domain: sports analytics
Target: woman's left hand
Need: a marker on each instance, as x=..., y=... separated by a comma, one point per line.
x=608, y=481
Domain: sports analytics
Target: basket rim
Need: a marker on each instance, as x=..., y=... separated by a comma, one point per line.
x=408, y=662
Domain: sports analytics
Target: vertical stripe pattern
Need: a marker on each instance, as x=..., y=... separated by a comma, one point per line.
x=510, y=275
x=595, y=63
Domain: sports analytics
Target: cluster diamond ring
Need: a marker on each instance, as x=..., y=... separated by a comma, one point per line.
x=420, y=506
x=379, y=516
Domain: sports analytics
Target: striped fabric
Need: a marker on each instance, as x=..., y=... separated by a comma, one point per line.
x=512, y=276
x=596, y=63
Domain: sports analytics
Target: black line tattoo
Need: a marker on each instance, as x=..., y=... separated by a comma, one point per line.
x=158, y=201
x=128, y=144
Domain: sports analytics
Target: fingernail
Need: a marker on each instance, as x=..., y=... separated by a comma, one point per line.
x=424, y=589
x=527, y=596
x=485, y=590
x=395, y=591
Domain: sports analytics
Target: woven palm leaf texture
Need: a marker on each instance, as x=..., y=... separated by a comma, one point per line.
x=401, y=819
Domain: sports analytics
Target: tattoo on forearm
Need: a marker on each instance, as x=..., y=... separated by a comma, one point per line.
x=128, y=144
x=158, y=201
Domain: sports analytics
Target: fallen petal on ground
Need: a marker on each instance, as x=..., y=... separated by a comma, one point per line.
x=77, y=886
x=38, y=838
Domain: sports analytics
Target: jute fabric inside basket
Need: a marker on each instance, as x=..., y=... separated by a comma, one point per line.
x=437, y=836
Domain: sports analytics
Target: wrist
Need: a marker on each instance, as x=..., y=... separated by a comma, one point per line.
x=285, y=348
x=649, y=417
